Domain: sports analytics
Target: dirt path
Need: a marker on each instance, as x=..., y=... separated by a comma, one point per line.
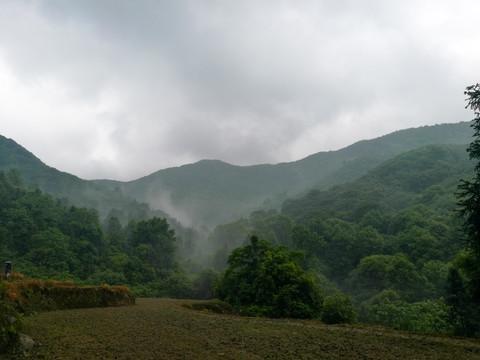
x=162, y=329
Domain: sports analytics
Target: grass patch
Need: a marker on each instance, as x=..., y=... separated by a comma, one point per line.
x=165, y=329
x=215, y=306
x=19, y=296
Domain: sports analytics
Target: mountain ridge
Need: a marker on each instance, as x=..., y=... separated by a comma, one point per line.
x=210, y=192
x=189, y=187
x=66, y=187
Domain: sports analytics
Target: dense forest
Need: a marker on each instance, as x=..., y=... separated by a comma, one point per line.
x=386, y=241
x=383, y=248
x=211, y=192
x=48, y=238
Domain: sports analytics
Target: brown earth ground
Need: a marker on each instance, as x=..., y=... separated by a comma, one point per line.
x=163, y=329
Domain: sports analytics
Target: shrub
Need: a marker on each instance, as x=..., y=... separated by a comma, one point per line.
x=37, y=295
x=385, y=308
x=214, y=306
x=10, y=326
x=338, y=309
x=429, y=316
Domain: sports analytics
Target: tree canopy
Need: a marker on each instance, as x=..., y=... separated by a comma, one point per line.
x=469, y=203
x=268, y=281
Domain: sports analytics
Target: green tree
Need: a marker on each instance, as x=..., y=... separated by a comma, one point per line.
x=469, y=191
x=378, y=272
x=203, y=285
x=268, y=281
x=277, y=228
x=368, y=242
x=114, y=233
x=435, y=273
x=369, y=277
x=469, y=201
x=461, y=314
x=50, y=252
x=338, y=309
x=403, y=277
x=20, y=228
x=230, y=235
x=429, y=316
x=307, y=240
x=154, y=243
x=388, y=309
x=83, y=224
x=385, y=308
x=86, y=258
x=340, y=237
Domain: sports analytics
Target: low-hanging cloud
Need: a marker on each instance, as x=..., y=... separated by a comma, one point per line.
x=119, y=89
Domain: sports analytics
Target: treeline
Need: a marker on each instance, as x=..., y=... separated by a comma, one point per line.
x=384, y=249
x=391, y=241
x=49, y=239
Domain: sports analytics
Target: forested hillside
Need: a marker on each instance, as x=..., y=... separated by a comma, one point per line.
x=34, y=174
x=209, y=193
x=47, y=239
x=427, y=176
x=379, y=248
x=386, y=240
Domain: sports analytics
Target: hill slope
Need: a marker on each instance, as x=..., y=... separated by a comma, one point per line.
x=61, y=185
x=420, y=176
x=211, y=192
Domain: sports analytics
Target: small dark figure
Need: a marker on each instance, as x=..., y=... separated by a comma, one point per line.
x=8, y=270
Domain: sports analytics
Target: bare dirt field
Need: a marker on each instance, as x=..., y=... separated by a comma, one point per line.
x=163, y=329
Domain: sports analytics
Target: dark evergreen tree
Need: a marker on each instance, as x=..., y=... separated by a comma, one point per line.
x=461, y=310
x=469, y=202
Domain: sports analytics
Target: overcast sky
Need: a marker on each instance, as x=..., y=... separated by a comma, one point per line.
x=119, y=89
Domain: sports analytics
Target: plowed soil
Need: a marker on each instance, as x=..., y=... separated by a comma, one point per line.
x=163, y=329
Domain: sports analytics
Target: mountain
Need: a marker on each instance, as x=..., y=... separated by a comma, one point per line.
x=211, y=192
x=355, y=160
x=425, y=176
x=82, y=193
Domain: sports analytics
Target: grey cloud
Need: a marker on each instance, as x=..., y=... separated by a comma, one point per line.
x=167, y=82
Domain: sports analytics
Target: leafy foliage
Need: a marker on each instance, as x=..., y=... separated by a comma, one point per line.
x=338, y=309
x=386, y=240
x=393, y=186
x=469, y=191
x=11, y=325
x=48, y=239
x=461, y=314
x=388, y=308
x=266, y=281
x=469, y=203
x=365, y=243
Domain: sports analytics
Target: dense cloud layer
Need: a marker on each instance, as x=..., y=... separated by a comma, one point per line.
x=120, y=89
